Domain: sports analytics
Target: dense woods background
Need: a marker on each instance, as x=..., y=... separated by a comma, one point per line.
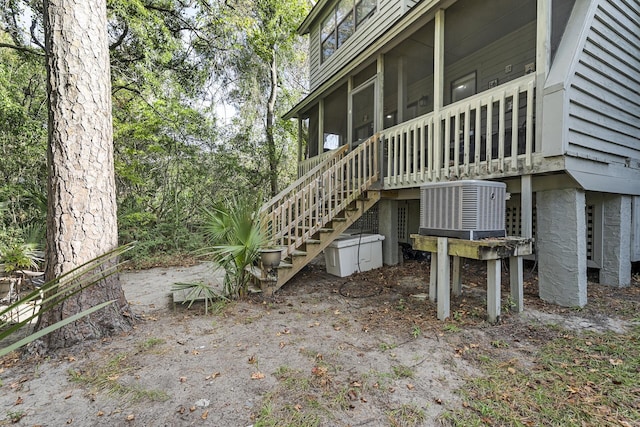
x=198, y=88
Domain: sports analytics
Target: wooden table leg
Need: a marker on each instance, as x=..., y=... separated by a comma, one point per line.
x=493, y=289
x=444, y=279
x=515, y=282
x=456, y=280
x=433, y=276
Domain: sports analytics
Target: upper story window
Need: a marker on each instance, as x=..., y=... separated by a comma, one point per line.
x=343, y=20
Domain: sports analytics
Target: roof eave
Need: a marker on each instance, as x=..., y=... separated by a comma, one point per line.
x=304, y=28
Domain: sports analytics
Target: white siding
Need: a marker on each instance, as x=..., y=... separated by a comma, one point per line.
x=604, y=94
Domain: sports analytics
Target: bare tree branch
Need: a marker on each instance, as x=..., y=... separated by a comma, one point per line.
x=33, y=36
x=22, y=49
x=121, y=38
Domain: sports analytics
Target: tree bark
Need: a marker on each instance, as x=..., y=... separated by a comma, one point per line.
x=81, y=217
x=271, y=106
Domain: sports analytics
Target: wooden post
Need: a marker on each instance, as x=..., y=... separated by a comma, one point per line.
x=526, y=206
x=493, y=290
x=438, y=90
x=443, y=279
x=456, y=280
x=515, y=282
x=433, y=276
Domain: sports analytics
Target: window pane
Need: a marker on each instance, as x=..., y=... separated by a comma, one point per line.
x=328, y=46
x=345, y=29
x=328, y=26
x=463, y=87
x=364, y=9
x=344, y=8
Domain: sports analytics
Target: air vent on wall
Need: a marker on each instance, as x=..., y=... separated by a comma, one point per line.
x=468, y=209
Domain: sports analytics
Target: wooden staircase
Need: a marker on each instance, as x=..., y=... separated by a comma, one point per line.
x=313, y=211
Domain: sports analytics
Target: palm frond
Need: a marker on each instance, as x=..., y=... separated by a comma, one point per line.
x=56, y=291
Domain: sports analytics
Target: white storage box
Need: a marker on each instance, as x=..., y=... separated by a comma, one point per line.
x=342, y=255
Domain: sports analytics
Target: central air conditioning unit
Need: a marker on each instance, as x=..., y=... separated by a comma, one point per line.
x=468, y=209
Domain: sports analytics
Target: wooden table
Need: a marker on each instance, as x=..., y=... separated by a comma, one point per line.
x=491, y=250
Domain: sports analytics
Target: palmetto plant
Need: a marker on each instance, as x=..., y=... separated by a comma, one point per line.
x=233, y=229
x=20, y=256
x=52, y=293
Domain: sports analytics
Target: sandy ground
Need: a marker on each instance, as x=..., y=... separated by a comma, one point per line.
x=338, y=351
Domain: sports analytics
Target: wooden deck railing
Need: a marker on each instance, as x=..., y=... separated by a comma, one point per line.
x=306, y=206
x=489, y=133
x=305, y=166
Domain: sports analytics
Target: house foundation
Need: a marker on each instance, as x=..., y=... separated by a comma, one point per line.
x=616, y=240
x=388, y=226
x=561, y=244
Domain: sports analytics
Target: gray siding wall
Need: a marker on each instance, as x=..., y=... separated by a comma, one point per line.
x=389, y=11
x=489, y=62
x=408, y=4
x=604, y=94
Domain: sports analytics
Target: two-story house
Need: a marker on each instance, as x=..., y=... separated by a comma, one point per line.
x=542, y=95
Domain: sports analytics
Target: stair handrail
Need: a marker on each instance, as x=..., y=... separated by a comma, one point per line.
x=304, y=180
x=306, y=206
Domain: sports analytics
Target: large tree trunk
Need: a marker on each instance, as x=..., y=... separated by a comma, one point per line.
x=81, y=217
x=271, y=143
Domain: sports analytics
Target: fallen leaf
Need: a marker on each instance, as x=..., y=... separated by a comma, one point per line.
x=213, y=376
x=131, y=417
x=410, y=386
x=319, y=371
x=205, y=414
x=616, y=362
x=252, y=359
x=257, y=375
x=100, y=413
x=19, y=401
x=511, y=370
x=356, y=384
x=183, y=379
x=181, y=410
x=282, y=344
x=572, y=390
